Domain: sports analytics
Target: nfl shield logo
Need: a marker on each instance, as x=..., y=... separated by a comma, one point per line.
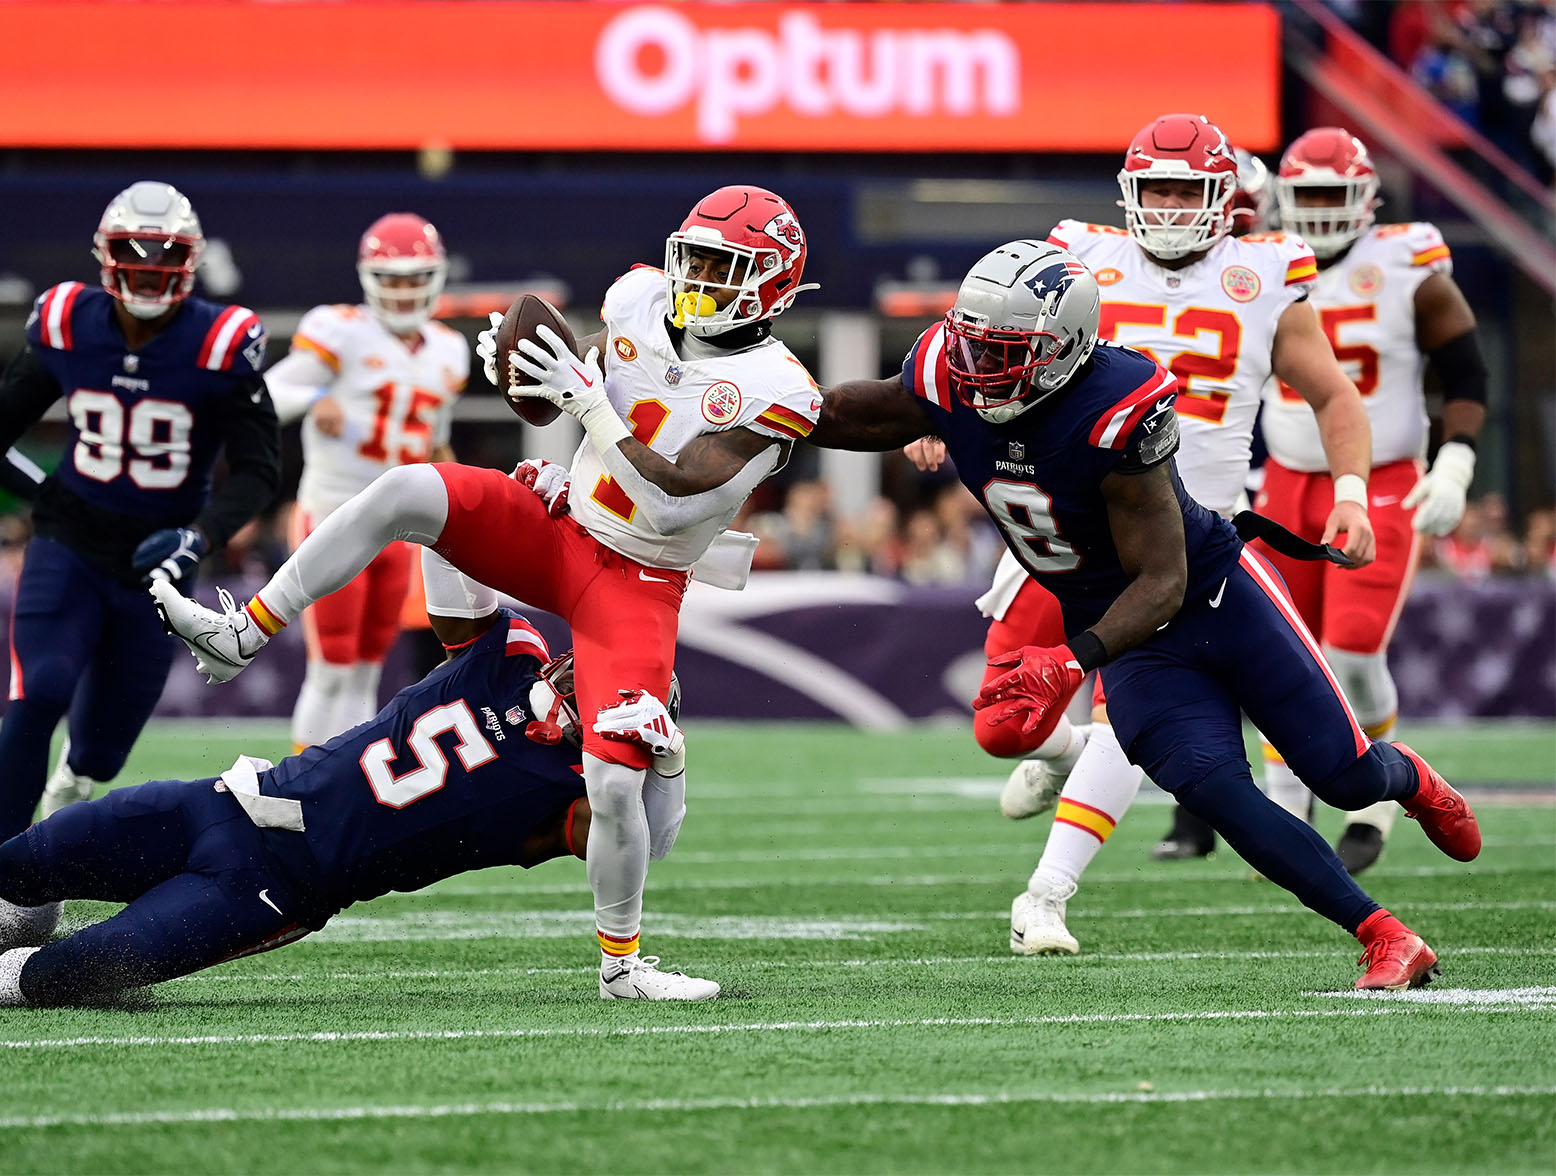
x=672, y=375
x=1174, y=282
x=1018, y=451
x=131, y=362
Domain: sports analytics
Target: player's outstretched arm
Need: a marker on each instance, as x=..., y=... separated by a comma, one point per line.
x=1303, y=358
x=1445, y=334
x=1147, y=526
x=870, y=415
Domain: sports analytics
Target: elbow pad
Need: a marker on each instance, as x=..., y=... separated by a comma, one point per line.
x=1460, y=368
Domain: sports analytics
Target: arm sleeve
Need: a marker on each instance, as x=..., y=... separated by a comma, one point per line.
x=451, y=593
x=27, y=388
x=295, y=381
x=668, y=514
x=253, y=450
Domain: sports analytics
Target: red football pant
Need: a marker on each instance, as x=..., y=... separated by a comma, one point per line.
x=1351, y=610
x=359, y=622
x=1033, y=618
x=624, y=614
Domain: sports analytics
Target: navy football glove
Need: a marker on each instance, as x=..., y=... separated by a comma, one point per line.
x=171, y=554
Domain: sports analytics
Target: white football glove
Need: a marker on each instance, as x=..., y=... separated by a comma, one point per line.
x=549, y=479
x=486, y=346
x=574, y=385
x=1438, y=498
x=641, y=718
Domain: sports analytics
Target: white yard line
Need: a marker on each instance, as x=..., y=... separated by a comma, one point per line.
x=692, y=1105
x=582, y=1031
x=236, y=973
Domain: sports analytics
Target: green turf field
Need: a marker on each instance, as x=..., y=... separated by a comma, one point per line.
x=851, y=892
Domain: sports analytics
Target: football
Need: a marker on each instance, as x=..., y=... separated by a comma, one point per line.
x=523, y=317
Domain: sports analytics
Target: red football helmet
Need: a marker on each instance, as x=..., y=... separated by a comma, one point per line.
x=1179, y=147
x=1335, y=161
x=737, y=259
x=148, y=244
x=403, y=265
x=1251, y=202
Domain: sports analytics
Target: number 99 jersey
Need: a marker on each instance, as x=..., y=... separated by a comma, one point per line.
x=1211, y=324
x=145, y=426
x=398, y=402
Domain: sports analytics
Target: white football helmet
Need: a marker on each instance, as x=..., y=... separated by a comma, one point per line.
x=1179, y=147
x=1330, y=160
x=148, y=244
x=1024, y=321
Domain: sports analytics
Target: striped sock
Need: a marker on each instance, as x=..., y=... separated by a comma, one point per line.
x=269, y=624
x=617, y=946
x=1098, y=793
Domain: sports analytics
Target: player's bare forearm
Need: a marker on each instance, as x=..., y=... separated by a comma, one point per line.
x=1463, y=418
x=1303, y=358
x=870, y=415
x=1147, y=527
x=706, y=463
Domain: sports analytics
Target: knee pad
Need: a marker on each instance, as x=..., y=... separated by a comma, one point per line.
x=614, y=790
x=1367, y=683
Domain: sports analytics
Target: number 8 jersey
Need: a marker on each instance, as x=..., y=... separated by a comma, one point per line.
x=1212, y=324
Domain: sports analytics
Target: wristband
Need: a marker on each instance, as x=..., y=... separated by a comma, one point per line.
x=604, y=427
x=1088, y=650
x=1351, y=488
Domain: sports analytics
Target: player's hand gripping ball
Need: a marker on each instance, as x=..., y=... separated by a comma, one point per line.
x=522, y=322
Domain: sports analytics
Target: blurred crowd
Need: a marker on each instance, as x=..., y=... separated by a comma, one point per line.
x=1492, y=62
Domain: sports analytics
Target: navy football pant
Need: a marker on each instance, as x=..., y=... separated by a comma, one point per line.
x=1177, y=702
x=80, y=642
x=193, y=868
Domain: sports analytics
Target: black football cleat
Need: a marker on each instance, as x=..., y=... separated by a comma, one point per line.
x=1189, y=837
x=1359, y=846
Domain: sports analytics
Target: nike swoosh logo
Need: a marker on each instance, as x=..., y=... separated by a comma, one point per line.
x=264, y=897
x=642, y=575
x=1215, y=601
x=815, y=406
x=1164, y=404
x=582, y=375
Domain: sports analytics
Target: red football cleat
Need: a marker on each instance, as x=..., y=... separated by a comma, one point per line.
x=1446, y=817
x=1396, y=957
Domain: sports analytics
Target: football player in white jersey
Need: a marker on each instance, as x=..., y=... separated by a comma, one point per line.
x=1388, y=302
x=1221, y=313
x=375, y=385
x=696, y=405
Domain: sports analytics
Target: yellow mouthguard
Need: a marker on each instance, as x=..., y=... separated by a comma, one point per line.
x=693, y=305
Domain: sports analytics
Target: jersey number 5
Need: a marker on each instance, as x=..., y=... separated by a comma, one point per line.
x=157, y=436
x=431, y=770
x=1026, y=516
x=646, y=417
x=1363, y=355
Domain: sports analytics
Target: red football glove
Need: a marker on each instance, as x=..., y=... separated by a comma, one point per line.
x=548, y=479
x=1040, y=680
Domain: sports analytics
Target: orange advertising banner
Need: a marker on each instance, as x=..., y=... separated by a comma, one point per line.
x=489, y=74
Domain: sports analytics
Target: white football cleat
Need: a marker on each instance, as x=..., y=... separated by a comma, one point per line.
x=65, y=787
x=22, y=926
x=639, y=978
x=1037, y=921
x=1033, y=787
x=222, y=642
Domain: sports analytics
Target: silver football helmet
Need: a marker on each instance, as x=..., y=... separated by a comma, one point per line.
x=148, y=244
x=1024, y=321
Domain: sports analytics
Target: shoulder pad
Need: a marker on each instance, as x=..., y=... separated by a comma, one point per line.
x=924, y=368
x=792, y=405
x=631, y=285
x=524, y=638
x=50, y=324
x=234, y=342
x=1423, y=242
x=1118, y=422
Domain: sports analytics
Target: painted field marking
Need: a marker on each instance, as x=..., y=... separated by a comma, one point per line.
x=1542, y=996
x=582, y=1031
x=692, y=1105
x=235, y=972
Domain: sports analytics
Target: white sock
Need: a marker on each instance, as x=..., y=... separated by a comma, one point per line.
x=1366, y=680
x=408, y=502
x=11, y=963
x=1282, y=786
x=313, y=718
x=359, y=701
x=664, y=808
x=1062, y=749
x=1102, y=786
x=617, y=862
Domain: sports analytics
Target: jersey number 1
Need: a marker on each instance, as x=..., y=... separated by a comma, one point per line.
x=431, y=770
x=646, y=417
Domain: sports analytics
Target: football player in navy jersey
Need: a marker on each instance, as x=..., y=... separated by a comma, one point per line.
x=156, y=383
x=478, y=764
x=1068, y=443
